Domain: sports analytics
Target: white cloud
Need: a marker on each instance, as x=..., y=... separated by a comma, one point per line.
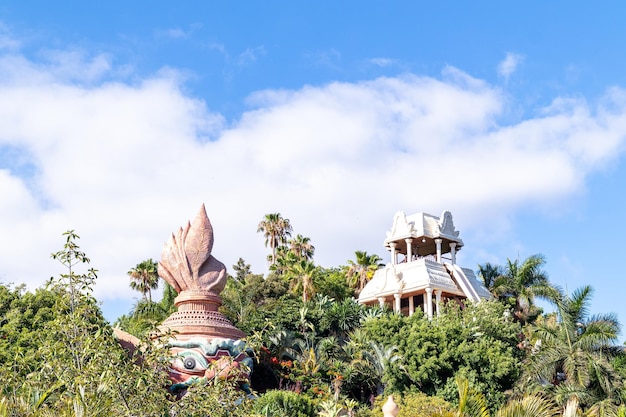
x=7, y=41
x=250, y=55
x=176, y=33
x=217, y=47
x=509, y=65
x=382, y=62
x=328, y=58
x=126, y=165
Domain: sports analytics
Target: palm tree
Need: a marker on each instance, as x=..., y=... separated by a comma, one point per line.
x=302, y=247
x=530, y=405
x=167, y=302
x=379, y=358
x=144, y=278
x=341, y=317
x=359, y=273
x=572, y=358
x=302, y=273
x=519, y=284
x=472, y=403
x=283, y=260
x=276, y=229
x=489, y=274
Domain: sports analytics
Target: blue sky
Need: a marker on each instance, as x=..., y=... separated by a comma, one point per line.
x=120, y=119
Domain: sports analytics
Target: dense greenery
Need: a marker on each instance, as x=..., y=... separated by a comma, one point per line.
x=478, y=343
x=317, y=351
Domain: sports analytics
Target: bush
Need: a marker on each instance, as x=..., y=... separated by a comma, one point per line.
x=414, y=404
x=284, y=403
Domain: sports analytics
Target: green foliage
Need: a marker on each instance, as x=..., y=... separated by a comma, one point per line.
x=341, y=317
x=75, y=366
x=572, y=360
x=478, y=343
x=302, y=274
x=94, y=374
x=275, y=229
x=215, y=398
x=147, y=314
x=301, y=247
x=59, y=357
x=359, y=273
x=250, y=302
x=242, y=270
x=284, y=403
x=331, y=282
x=144, y=278
x=531, y=405
x=414, y=403
x=24, y=317
x=518, y=284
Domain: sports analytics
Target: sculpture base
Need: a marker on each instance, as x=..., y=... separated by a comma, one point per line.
x=205, y=323
x=197, y=315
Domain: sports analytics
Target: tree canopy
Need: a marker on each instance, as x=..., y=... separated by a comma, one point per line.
x=317, y=351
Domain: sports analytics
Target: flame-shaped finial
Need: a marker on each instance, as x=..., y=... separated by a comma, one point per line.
x=186, y=261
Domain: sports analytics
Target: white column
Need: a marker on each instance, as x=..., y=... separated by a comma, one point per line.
x=453, y=252
x=438, y=301
x=409, y=249
x=411, y=306
x=394, y=259
x=381, y=302
x=397, y=298
x=429, y=302
x=438, y=243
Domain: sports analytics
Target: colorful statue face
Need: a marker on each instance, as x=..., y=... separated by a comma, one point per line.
x=198, y=358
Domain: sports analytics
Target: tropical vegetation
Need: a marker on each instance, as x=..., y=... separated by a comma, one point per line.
x=317, y=351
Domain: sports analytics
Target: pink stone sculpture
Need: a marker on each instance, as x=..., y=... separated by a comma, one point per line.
x=205, y=343
x=186, y=261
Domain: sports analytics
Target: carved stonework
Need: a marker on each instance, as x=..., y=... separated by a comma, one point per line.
x=446, y=225
x=186, y=261
x=205, y=342
x=401, y=226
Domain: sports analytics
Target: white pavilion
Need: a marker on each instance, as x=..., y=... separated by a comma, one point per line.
x=423, y=272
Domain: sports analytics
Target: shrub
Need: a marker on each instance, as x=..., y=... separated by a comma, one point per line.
x=284, y=403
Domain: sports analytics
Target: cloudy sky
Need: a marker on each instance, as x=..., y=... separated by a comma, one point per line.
x=119, y=121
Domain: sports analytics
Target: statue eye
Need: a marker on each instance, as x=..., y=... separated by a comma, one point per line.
x=189, y=363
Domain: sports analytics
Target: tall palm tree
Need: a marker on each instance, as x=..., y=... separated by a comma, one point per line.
x=144, y=278
x=573, y=358
x=302, y=273
x=519, y=284
x=276, y=229
x=489, y=273
x=302, y=247
x=359, y=273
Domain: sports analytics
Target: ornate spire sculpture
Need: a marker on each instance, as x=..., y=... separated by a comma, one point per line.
x=205, y=342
